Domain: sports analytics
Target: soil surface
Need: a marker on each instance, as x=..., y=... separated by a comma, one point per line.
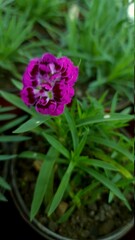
x=88, y=222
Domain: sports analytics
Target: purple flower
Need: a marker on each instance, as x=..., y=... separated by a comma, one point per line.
x=48, y=84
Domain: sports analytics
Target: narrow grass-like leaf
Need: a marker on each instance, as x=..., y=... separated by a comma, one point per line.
x=114, y=103
x=97, y=163
x=12, y=138
x=2, y=197
x=66, y=215
x=79, y=109
x=17, y=84
x=57, y=145
x=80, y=146
x=88, y=190
x=6, y=157
x=108, y=183
x=12, y=124
x=7, y=116
x=104, y=119
x=110, y=165
x=32, y=155
x=121, y=169
x=61, y=189
x=111, y=196
x=4, y=184
x=113, y=145
x=126, y=183
x=6, y=109
x=29, y=125
x=43, y=181
x=72, y=128
x=16, y=101
x=49, y=191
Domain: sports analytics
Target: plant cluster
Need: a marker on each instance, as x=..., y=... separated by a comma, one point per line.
x=87, y=152
x=82, y=30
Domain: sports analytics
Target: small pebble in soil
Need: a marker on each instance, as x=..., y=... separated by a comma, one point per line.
x=62, y=208
x=92, y=213
x=106, y=227
x=102, y=216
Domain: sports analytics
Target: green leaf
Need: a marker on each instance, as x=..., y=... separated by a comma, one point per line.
x=7, y=116
x=113, y=145
x=61, y=189
x=87, y=190
x=12, y=138
x=114, y=103
x=17, y=84
x=2, y=197
x=4, y=184
x=16, y=101
x=43, y=181
x=49, y=191
x=12, y=124
x=32, y=155
x=7, y=157
x=108, y=183
x=30, y=125
x=110, y=165
x=122, y=170
x=57, y=145
x=72, y=128
x=97, y=163
x=6, y=109
x=66, y=215
x=80, y=146
x=111, y=196
x=104, y=119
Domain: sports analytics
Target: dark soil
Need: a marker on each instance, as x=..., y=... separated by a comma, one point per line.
x=88, y=222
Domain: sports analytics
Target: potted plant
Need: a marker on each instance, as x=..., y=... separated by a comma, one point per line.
x=77, y=168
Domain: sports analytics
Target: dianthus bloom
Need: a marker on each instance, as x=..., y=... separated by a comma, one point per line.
x=48, y=84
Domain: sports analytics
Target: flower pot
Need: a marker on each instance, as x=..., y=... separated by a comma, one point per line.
x=42, y=229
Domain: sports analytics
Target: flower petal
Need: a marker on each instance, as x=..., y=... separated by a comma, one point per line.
x=48, y=58
x=46, y=107
x=29, y=81
x=32, y=68
x=58, y=110
x=28, y=96
x=40, y=105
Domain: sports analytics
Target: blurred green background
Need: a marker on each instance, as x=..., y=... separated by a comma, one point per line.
x=96, y=34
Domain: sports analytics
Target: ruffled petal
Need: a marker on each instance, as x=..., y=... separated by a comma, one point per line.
x=29, y=81
x=48, y=58
x=44, y=106
x=28, y=96
x=58, y=110
x=32, y=68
